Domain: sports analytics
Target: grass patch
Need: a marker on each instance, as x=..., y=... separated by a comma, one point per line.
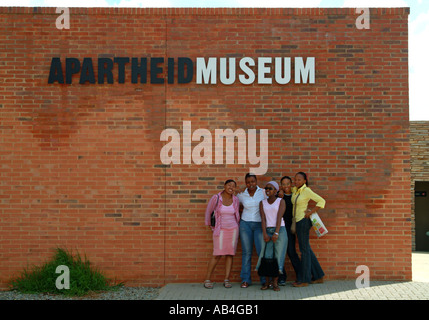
x=83, y=278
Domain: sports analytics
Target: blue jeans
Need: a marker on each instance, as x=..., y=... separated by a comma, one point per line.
x=250, y=233
x=293, y=256
x=279, y=248
x=309, y=263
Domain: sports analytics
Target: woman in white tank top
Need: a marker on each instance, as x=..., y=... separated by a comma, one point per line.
x=273, y=228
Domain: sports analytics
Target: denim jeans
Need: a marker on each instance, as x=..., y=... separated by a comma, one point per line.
x=309, y=263
x=279, y=248
x=293, y=256
x=250, y=233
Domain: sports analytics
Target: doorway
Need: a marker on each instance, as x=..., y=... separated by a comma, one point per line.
x=422, y=215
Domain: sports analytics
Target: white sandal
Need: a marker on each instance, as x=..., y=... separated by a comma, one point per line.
x=208, y=284
x=227, y=284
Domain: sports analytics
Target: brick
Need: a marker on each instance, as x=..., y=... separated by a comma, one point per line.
x=81, y=163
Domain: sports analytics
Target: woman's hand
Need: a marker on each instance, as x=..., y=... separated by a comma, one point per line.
x=239, y=189
x=266, y=237
x=275, y=237
x=309, y=212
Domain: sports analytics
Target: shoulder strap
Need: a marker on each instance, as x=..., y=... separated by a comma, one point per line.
x=216, y=202
x=294, y=206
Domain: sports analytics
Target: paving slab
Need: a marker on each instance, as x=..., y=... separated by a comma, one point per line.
x=418, y=289
x=330, y=290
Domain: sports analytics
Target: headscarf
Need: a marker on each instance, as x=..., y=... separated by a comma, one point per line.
x=274, y=184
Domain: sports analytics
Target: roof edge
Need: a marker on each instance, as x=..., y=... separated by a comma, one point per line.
x=204, y=11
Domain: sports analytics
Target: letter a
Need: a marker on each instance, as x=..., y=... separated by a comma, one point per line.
x=364, y=276
x=63, y=281
x=362, y=22
x=172, y=147
x=64, y=17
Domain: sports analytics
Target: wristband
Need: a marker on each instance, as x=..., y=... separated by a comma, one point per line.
x=276, y=233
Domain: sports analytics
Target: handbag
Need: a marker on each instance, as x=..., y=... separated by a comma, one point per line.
x=269, y=267
x=293, y=226
x=213, y=218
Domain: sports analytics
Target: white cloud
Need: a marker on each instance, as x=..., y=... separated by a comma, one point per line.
x=279, y=3
x=87, y=3
x=375, y=3
x=54, y=3
x=13, y=3
x=419, y=69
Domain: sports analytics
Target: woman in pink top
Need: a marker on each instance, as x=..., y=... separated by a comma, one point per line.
x=225, y=232
x=273, y=229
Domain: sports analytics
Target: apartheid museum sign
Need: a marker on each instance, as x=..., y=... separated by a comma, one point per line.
x=206, y=71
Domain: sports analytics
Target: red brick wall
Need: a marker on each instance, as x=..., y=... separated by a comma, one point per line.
x=80, y=164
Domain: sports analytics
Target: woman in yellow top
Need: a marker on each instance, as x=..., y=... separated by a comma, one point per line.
x=302, y=194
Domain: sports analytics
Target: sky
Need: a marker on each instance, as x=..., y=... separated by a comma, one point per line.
x=418, y=28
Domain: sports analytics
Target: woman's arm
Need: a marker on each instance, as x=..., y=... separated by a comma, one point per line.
x=320, y=203
x=309, y=212
x=263, y=222
x=237, y=205
x=279, y=219
x=210, y=207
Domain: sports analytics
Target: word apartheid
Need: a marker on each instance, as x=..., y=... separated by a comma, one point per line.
x=158, y=70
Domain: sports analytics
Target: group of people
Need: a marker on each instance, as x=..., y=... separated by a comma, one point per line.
x=263, y=218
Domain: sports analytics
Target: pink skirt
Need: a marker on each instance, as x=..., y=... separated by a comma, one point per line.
x=226, y=242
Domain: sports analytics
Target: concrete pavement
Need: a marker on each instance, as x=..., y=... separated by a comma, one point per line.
x=418, y=289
